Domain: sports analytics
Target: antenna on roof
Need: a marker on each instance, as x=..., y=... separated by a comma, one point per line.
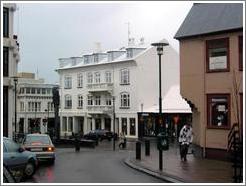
x=128, y=36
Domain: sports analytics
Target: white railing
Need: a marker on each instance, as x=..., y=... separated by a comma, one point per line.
x=100, y=109
x=100, y=87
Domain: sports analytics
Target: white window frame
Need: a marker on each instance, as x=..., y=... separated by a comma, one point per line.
x=97, y=100
x=125, y=100
x=89, y=100
x=68, y=101
x=80, y=80
x=80, y=101
x=67, y=82
x=125, y=76
x=97, y=77
x=89, y=78
x=108, y=77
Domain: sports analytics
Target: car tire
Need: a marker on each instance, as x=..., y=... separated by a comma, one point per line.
x=52, y=161
x=30, y=169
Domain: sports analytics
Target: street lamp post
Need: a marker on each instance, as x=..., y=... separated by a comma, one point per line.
x=15, y=82
x=159, y=46
x=114, y=123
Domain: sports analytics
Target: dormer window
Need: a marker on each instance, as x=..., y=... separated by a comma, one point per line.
x=129, y=53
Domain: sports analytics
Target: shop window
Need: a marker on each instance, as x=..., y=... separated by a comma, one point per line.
x=218, y=106
x=217, y=55
x=132, y=126
x=124, y=125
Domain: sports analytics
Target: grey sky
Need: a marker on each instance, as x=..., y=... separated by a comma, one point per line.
x=48, y=31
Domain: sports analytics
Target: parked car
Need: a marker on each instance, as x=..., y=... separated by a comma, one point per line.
x=19, y=161
x=7, y=175
x=41, y=145
x=99, y=134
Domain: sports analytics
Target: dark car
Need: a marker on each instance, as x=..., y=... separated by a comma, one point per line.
x=7, y=175
x=22, y=163
x=99, y=134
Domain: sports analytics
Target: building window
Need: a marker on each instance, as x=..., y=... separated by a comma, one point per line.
x=5, y=22
x=28, y=90
x=5, y=61
x=80, y=80
x=38, y=90
x=218, y=106
x=108, y=101
x=98, y=100
x=108, y=77
x=124, y=125
x=43, y=90
x=217, y=54
x=125, y=100
x=80, y=101
x=124, y=77
x=129, y=53
x=68, y=101
x=97, y=77
x=132, y=126
x=64, y=124
x=68, y=82
x=5, y=110
x=32, y=90
x=21, y=90
x=48, y=90
x=22, y=108
x=89, y=100
x=240, y=50
x=70, y=124
x=89, y=78
x=95, y=58
x=50, y=106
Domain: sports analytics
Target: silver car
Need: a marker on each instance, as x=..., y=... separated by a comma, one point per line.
x=41, y=145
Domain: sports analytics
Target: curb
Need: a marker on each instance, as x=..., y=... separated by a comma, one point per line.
x=164, y=176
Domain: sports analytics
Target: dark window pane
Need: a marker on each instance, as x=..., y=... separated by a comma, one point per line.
x=124, y=125
x=5, y=61
x=5, y=22
x=132, y=126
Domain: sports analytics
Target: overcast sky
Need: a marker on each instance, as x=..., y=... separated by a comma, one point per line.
x=48, y=31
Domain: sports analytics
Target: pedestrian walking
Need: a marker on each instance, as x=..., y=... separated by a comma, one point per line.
x=122, y=142
x=185, y=139
x=77, y=143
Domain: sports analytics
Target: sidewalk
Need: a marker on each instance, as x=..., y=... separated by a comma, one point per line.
x=195, y=170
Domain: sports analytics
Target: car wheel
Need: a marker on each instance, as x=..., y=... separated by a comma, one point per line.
x=30, y=169
x=52, y=161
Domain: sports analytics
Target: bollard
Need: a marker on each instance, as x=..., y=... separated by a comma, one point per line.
x=147, y=147
x=138, y=150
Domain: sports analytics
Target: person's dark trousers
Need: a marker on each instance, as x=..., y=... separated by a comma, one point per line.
x=183, y=151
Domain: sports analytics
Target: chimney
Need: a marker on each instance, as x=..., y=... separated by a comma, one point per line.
x=98, y=48
x=131, y=41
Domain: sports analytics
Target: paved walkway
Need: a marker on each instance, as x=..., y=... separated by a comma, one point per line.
x=195, y=170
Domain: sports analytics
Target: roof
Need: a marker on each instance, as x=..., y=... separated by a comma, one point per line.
x=171, y=103
x=209, y=18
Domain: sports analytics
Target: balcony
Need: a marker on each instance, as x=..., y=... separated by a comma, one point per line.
x=100, y=109
x=100, y=87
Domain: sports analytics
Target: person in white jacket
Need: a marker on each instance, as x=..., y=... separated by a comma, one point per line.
x=185, y=139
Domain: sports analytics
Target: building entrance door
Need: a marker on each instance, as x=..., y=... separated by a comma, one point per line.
x=98, y=123
x=108, y=124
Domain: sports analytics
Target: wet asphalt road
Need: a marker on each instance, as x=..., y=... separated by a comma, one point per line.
x=99, y=165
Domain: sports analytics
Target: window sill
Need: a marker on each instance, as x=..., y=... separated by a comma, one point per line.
x=67, y=87
x=216, y=127
x=124, y=107
x=217, y=71
x=124, y=83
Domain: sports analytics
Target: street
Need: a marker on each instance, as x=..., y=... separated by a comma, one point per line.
x=99, y=165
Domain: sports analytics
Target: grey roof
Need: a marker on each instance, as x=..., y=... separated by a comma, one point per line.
x=208, y=18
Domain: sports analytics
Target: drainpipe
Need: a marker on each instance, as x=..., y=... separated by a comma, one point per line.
x=204, y=99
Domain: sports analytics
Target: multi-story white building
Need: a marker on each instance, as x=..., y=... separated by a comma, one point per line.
x=10, y=61
x=35, y=109
x=130, y=75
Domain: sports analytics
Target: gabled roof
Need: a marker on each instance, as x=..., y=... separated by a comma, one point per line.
x=209, y=18
x=172, y=103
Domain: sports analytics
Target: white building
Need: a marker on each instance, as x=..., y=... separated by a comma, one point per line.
x=131, y=75
x=10, y=61
x=35, y=109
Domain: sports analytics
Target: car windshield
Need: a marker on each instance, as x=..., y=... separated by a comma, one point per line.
x=37, y=140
